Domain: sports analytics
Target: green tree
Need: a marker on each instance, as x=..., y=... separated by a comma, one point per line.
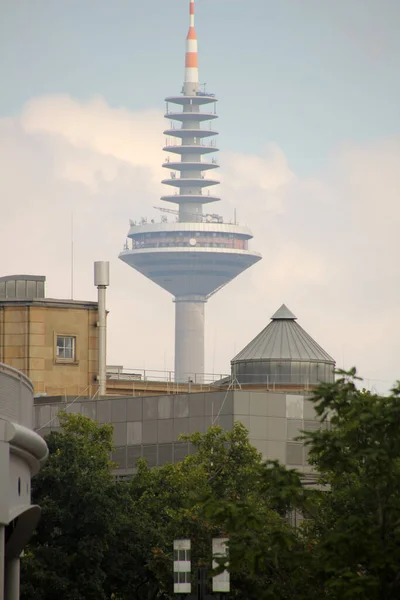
x=223, y=489
x=356, y=527
x=349, y=544
x=172, y=499
x=77, y=495
x=268, y=558
x=106, y=539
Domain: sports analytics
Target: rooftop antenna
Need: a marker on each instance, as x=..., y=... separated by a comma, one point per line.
x=72, y=255
x=191, y=84
x=102, y=281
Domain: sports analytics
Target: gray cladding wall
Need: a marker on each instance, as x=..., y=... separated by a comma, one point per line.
x=150, y=427
x=16, y=394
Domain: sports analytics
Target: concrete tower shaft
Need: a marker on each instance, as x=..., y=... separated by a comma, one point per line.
x=198, y=253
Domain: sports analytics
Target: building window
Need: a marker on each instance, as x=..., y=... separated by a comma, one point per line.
x=66, y=347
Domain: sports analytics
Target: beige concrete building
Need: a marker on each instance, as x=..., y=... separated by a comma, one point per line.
x=53, y=342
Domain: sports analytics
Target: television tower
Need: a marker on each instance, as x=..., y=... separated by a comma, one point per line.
x=197, y=254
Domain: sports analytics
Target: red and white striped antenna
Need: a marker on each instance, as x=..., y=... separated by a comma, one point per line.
x=191, y=60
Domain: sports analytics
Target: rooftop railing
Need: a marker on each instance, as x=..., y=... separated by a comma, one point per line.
x=128, y=374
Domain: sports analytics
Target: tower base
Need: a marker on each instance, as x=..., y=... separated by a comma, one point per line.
x=189, y=338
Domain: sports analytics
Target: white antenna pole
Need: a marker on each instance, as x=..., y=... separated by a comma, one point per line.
x=102, y=280
x=72, y=256
x=215, y=345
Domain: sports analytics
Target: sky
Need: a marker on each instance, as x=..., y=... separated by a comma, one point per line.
x=310, y=154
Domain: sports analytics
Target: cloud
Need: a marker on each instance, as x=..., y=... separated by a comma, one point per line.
x=330, y=243
x=133, y=138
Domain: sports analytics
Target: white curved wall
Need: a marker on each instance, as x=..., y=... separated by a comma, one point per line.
x=16, y=397
x=21, y=453
x=19, y=488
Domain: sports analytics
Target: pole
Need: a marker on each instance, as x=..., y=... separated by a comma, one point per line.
x=2, y=560
x=12, y=579
x=101, y=281
x=202, y=583
x=72, y=256
x=102, y=339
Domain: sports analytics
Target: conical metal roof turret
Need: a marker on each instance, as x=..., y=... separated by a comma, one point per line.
x=283, y=353
x=283, y=339
x=283, y=313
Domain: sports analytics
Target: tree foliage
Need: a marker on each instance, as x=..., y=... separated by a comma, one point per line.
x=78, y=498
x=357, y=528
x=349, y=545
x=112, y=540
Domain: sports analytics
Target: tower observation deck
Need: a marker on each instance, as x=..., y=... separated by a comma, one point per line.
x=198, y=254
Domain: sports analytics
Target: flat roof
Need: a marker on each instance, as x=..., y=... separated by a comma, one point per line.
x=23, y=278
x=50, y=303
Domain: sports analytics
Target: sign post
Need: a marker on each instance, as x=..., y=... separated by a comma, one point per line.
x=182, y=571
x=221, y=582
x=182, y=567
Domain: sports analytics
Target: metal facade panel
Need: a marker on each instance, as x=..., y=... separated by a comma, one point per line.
x=312, y=425
x=118, y=410
x=241, y=403
x=181, y=427
x=181, y=450
x=150, y=432
x=88, y=409
x=277, y=450
x=42, y=415
x=224, y=421
x=119, y=456
x=258, y=428
x=150, y=408
x=259, y=404
x=134, y=432
x=132, y=455
x=294, y=453
x=244, y=420
x=196, y=405
x=181, y=407
x=294, y=428
x=276, y=428
x=165, y=430
x=134, y=409
x=276, y=405
x=165, y=407
x=197, y=425
x=150, y=454
x=164, y=454
x=294, y=406
x=309, y=410
x=120, y=434
x=104, y=411
x=74, y=409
